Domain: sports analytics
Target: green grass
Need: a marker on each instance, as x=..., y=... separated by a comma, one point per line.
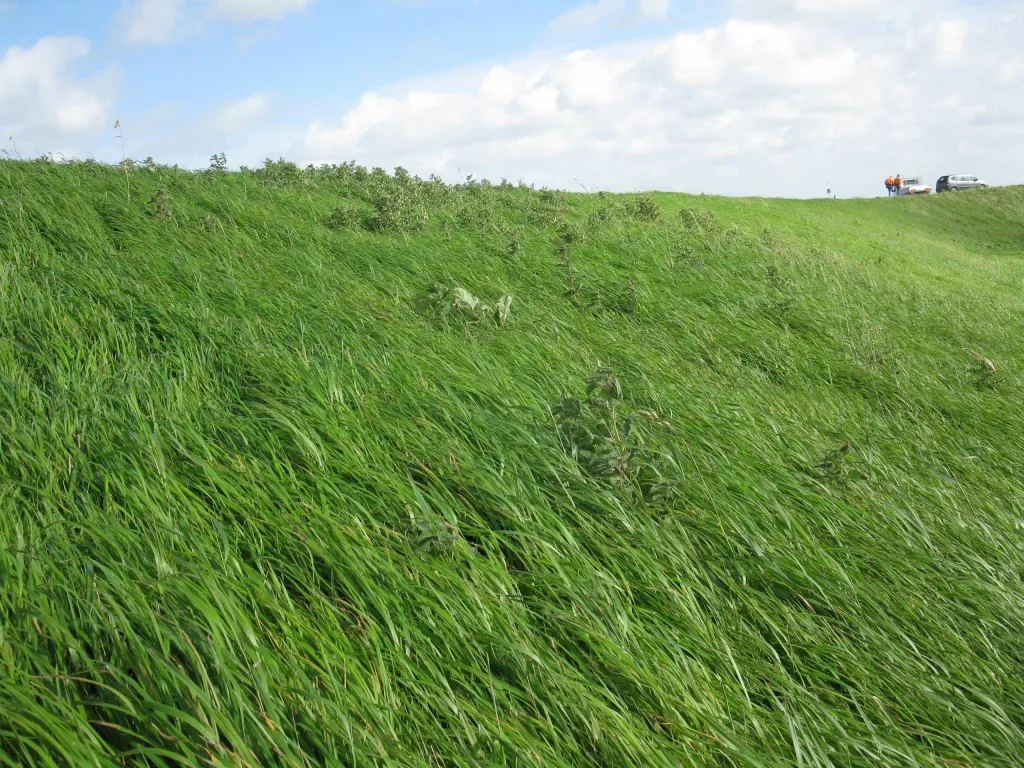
x=257, y=510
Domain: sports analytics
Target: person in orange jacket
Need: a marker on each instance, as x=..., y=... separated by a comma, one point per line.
x=898, y=183
x=889, y=182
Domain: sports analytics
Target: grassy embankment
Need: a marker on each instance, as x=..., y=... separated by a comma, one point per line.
x=255, y=509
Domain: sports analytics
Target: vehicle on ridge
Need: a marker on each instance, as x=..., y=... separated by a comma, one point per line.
x=913, y=185
x=958, y=181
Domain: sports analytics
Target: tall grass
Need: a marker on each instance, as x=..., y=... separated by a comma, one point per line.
x=723, y=487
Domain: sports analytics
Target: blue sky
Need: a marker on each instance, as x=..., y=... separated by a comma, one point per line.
x=329, y=51
x=684, y=94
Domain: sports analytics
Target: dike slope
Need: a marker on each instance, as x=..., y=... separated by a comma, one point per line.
x=286, y=480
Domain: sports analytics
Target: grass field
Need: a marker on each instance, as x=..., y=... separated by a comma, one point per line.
x=721, y=486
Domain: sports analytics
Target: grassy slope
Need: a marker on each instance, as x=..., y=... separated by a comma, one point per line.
x=255, y=510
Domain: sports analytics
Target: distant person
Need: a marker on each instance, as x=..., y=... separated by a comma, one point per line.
x=889, y=183
x=898, y=183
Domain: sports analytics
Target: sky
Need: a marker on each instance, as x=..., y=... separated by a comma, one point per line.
x=735, y=97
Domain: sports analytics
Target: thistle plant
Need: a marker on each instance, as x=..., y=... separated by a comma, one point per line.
x=124, y=160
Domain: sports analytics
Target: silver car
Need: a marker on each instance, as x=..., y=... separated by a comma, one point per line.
x=957, y=181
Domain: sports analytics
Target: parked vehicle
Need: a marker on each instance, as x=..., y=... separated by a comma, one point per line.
x=958, y=181
x=913, y=185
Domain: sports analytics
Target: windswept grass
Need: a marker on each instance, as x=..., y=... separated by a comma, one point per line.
x=335, y=467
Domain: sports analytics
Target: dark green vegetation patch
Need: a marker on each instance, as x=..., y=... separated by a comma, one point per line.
x=288, y=477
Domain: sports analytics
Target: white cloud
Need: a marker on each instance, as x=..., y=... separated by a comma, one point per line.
x=780, y=98
x=42, y=101
x=247, y=11
x=243, y=113
x=1012, y=70
x=149, y=22
x=599, y=109
x=747, y=106
x=949, y=40
x=600, y=11
x=835, y=6
x=653, y=9
x=587, y=14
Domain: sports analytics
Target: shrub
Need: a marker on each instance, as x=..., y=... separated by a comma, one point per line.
x=697, y=219
x=570, y=232
x=643, y=208
x=280, y=173
x=606, y=213
x=396, y=210
x=344, y=216
x=219, y=163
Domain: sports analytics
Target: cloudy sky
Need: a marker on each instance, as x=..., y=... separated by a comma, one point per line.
x=737, y=97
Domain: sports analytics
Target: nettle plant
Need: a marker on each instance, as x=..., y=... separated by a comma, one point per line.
x=515, y=240
x=622, y=298
x=160, y=204
x=984, y=372
x=606, y=439
x=839, y=466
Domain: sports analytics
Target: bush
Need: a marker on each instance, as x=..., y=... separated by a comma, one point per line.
x=643, y=208
x=605, y=214
x=396, y=210
x=345, y=216
x=570, y=232
x=697, y=219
